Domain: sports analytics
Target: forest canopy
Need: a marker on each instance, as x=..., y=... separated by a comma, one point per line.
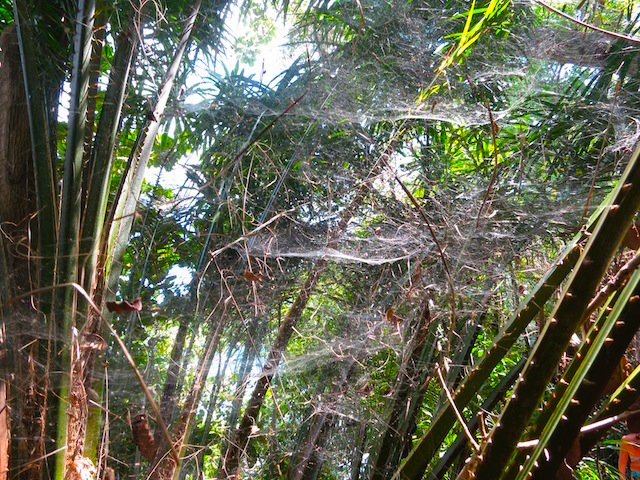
x=327, y=239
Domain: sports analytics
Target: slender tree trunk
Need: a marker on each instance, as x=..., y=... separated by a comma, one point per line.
x=305, y=464
x=248, y=357
x=72, y=410
x=408, y=379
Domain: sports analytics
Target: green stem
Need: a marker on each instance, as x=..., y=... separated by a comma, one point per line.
x=69, y=435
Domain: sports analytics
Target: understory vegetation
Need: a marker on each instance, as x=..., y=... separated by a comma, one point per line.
x=328, y=239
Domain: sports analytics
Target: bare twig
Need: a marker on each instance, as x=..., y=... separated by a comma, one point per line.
x=361, y=28
x=614, y=284
x=619, y=36
x=461, y=419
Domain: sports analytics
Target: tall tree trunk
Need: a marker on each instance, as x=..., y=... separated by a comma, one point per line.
x=17, y=204
x=358, y=453
x=230, y=461
x=408, y=379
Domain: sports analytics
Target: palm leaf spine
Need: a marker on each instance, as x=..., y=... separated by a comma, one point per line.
x=567, y=316
x=69, y=229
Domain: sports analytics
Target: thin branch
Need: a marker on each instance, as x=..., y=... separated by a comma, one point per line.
x=614, y=284
x=461, y=419
x=361, y=27
x=619, y=36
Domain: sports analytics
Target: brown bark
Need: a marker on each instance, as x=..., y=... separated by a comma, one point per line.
x=16, y=168
x=16, y=208
x=408, y=379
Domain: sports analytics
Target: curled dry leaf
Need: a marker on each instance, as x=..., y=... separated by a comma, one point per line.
x=93, y=341
x=80, y=468
x=125, y=306
x=142, y=436
x=391, y=317
x=250, y=276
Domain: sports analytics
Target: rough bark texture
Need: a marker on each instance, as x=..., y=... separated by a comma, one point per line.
x=16, y=207
x=16, y=167
x=408, y=379
x=231, y=459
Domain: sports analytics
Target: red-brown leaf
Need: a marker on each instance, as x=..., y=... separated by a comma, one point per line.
x=125, y=306
x=391, y=317
x=249, y=276
x=142, y=436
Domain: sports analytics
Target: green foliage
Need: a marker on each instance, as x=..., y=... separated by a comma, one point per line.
x=255, y=178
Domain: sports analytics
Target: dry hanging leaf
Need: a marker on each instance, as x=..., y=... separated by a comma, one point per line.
x=249, y=276
x=632, y=238
x=93, y=341
x=391, y=317
x=125, y=306
x=142, y=436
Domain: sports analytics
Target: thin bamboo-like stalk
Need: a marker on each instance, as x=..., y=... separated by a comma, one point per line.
x=70, y=433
